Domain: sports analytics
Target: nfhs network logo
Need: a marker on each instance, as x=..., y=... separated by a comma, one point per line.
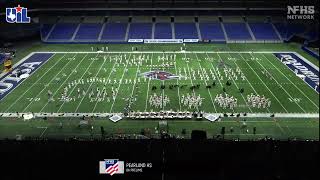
x=17, y=15
x=300, y=12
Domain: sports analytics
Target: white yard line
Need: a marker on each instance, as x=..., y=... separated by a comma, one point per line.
x=79, y=104
x=160, y=52
x=281, y=86
x=214, y=71
x=95, y=106
x=146, y=106
x=264, y=84
x=80, y=78
x=118, y=89
x=205, y=81
x=244, y=99
x=39, y=93
x=22, y=95
x=135, y=80
x=175, y=67
x=250, y=86
x=45, y=129
x=61, y=83
x=291, y=82
x=190, y=76
x=163, y=88
x=162, y=95
x=282, y=130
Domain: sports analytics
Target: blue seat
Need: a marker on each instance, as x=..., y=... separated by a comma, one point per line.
x=114, y=31
x=288, y=30
x=263, y=31
x=63, y=31
x=237, y=31
x=45, y=29
x=211, y=31
x=140, y=31
x=186, y=31
x=163, y=31
x=88, y=32
x=2, y=57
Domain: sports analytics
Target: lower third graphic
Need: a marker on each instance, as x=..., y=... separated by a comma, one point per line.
x=111, y=166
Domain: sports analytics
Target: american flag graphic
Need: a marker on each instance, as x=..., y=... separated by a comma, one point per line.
x=112, y=169
x=111, y=166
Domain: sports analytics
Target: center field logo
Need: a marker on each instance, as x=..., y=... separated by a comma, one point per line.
x=159, y=75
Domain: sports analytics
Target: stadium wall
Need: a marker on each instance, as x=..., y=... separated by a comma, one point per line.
x=143, y=41
x=130, y=42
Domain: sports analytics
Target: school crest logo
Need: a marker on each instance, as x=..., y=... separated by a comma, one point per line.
x=111, y=166
x=159, y=75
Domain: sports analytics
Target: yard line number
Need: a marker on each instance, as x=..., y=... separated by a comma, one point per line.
x=294, y=100
x=33, y=99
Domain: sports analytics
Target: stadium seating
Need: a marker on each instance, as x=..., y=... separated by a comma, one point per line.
x=45, y=29
x=114, y=32
x=140, y=31
x=312, y=34
x=263, y=31
x=63, y=31
x=88, y=32
x=2, y=57
x=117, y=28
x=288, y=30
x=186, y=31
x=163, y=31
x=237, y=31
x=211, y=31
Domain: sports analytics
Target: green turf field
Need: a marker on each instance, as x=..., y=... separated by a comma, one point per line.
x=281, y=129
x=119, y=71
x=287, y=93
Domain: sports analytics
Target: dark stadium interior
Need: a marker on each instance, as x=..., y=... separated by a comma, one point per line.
x=202, y=157
x=171, y=159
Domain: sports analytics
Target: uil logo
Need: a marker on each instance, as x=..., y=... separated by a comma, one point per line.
x=17, y=15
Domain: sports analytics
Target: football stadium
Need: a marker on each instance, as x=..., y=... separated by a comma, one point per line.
x=159, y=89
x=235, y=70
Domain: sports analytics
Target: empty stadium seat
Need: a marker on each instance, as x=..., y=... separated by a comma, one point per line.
x=45, y=29
x=114, y=31
x=263, y=31
x=88, y=32
x=211, y=31
x=2, y=57
x=140, y=31
x=186, y=31
x=287, y=30
x=237, y=31
x=63, y=31
x=163, y=31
